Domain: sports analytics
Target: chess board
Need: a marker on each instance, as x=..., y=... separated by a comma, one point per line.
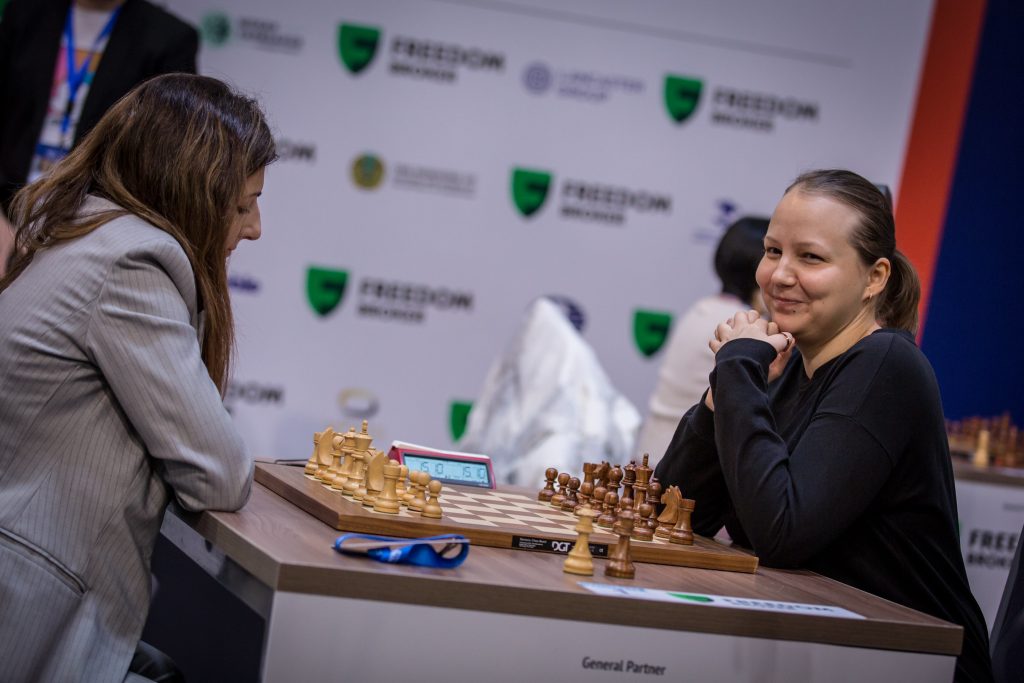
x=503, y=518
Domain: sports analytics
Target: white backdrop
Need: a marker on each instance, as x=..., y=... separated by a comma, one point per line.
x=439, y=263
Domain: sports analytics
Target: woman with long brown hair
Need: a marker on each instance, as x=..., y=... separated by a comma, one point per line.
x=115, y=343
x=821, y=441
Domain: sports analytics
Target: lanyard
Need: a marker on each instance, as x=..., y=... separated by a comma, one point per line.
x=417, y=551
x=77, y=76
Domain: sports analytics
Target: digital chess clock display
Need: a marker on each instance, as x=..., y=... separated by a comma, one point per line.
x=450, y=470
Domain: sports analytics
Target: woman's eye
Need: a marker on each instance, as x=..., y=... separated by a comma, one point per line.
x=772, y=251
x=812, y=257
x=243, y=210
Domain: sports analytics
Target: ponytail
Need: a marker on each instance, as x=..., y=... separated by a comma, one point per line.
x=897, y=305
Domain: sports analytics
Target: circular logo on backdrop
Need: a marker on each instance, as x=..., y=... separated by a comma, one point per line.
x=537, y=77
x=216, y=28
x=367, y=171
x=358, y=403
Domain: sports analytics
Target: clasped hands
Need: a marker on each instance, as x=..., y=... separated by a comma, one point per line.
x=750, y=325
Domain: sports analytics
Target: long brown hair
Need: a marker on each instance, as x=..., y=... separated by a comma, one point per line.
x=873, y=238
x=176, y=152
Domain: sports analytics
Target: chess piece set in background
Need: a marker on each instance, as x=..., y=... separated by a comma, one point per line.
x=631, y=517
x=987, y=441
x=347, y=464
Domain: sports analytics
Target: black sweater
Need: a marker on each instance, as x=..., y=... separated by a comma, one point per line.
x=847, y=474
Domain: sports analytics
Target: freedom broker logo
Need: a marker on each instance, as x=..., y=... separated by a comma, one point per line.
x=325, y=288
x=458, y=418
x=584, y=200
x=759, y=111
x=424, y=59
x=650, y=330
x=681, y=96
x=380, y=298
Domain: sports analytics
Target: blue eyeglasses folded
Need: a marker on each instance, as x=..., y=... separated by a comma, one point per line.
x=416, y=551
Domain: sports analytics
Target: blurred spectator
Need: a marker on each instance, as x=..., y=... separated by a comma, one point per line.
x=688, y=360
x=62, y=64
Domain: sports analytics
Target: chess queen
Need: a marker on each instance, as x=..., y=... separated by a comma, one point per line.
x=112, y=386
x=820, y=442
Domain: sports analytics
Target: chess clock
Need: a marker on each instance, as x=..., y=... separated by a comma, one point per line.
x=448, y=467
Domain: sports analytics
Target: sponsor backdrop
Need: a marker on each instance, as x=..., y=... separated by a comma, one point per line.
x=990, y=526
x=444, y=163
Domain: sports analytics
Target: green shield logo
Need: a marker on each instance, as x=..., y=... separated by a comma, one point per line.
x=215, y=28
x=458, y=415
x=681, y=96
x=325, y=288
x=650, y=330
x=357, y=45
x=529, y=189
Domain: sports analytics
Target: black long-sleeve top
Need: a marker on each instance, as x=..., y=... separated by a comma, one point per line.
x=846, y=473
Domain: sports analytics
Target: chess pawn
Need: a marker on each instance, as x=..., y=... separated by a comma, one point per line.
x=571, y=501
x=311, y=465
x=614, y=477
x=683, y=531
x=641, y=530
x=620, y=564
x=586, y=490
x=387, y=501
x=432, y=508
x=548, y=491
x=563, y=481
x=419, y=479
x=607, y=518
x=625, y=503
x=336, y=460
x=579, y=560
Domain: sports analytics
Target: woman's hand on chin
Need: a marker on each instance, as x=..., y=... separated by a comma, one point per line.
x=750, y=325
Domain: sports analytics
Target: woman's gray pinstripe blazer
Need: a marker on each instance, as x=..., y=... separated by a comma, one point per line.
x=106, y=409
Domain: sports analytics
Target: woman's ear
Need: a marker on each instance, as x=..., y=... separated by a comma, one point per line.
x=878, y=276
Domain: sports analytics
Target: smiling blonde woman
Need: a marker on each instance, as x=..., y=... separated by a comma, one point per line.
x=820, y=442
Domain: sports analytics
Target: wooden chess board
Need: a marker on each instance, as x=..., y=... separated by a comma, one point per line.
x=503, y=518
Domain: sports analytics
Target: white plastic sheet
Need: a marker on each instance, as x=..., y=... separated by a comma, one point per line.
x=547, y=402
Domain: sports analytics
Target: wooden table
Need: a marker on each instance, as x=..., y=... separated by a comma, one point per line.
x=514, y=615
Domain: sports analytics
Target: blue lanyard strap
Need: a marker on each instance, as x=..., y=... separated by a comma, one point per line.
x=77, y=76
x=417, y=551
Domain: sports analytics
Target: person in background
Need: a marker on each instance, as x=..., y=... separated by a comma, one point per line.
x=683, y=375
x=821, y=441
x=1008, y=630
x=116, y=338
x=62, y=65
